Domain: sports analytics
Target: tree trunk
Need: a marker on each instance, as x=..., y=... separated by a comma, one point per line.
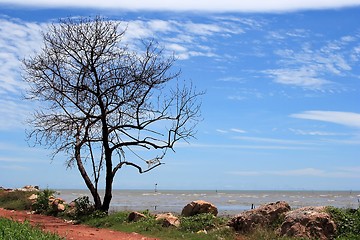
x=109, y=181
x=94, y=192
x=108, y=195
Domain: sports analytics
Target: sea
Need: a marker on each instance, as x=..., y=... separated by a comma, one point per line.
x=227, y=202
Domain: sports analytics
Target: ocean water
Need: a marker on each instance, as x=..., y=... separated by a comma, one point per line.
x=227, y=202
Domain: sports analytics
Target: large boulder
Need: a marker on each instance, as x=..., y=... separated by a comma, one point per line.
x=57, y=204
x=135, y=216
x=308, y=222
x=168, y=219
x=262, y=216
x=198, y=207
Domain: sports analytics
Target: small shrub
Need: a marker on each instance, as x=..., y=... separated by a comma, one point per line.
x=205, y=221
x=84, y=209
x=22, y=231
x=347, y=222
x=42, y=205
x=83, y=206
x=98, y=214
x=15, y=200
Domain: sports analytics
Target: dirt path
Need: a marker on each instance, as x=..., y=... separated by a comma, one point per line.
x=68, y=230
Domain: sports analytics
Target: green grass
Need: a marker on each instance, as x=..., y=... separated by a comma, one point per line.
x=12, y=230
x=16, y=200
x=215, y=227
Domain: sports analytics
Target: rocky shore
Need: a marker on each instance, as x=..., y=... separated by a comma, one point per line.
x=306, y=222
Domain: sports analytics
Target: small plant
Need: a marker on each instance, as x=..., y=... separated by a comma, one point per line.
x=42, y=205
x=347, y=222
x=205, y=221
x=98, y=214
x=10, y=229
x=84, y=208
x=15, y=200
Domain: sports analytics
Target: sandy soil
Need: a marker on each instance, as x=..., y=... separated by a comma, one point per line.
x=68, y=230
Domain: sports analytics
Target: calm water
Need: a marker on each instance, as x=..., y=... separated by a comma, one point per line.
x=227, y=202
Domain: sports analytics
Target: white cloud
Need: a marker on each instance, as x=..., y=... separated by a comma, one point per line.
x=349, y=119
x=221, y=131
x=13, y=114
x=299, y=172
x=188, y=5
x=305, y=172
x=232, y=79
x=312, y=67
x=272, y=140
x=17, y=41
x=238, y=130
x=238, y=146
x=315, y=133
x=184, y=38
x=302, y=77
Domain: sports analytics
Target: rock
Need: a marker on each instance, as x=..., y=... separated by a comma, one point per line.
x=262, y=216
x=33, y=197
x=168, y=219
x=29, y=188
x=60, y=207
x=135, y=216
x=308, y=222
x=198, y=207
x=57, y=204
x=202, y=231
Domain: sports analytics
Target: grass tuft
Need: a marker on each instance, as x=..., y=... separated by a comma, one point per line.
x=15, y=200
x=10, y=229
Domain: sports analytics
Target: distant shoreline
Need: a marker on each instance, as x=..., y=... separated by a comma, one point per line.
x=228, y=202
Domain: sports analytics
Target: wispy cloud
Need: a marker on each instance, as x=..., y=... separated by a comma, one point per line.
x=305, y=172
x=273, y=140
x=237, y=130
x=349, y=119
x=243, y=146
x=301, y=77
x=186, y=38
x=17, y=40
x=316, y=133
x=14, y=167
x=313, y=68
x=221, y=131
x=187, y=5
x=13, y=114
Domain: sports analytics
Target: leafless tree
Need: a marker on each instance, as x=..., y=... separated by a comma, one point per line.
x=102, y=102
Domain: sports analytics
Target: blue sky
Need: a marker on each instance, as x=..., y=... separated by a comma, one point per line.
x=282, y=81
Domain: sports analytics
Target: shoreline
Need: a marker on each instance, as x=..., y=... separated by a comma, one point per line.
x=228, y=202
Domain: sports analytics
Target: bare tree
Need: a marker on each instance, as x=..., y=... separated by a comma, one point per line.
x=102, y=102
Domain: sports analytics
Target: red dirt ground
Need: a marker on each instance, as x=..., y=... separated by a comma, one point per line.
x=68, y=230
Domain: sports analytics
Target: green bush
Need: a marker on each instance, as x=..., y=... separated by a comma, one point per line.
x=22, y=231
x=42, y=202
x=15, y=200
x=150, y=227
x=347, y=222
x=205, y=221
x=83, y=207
